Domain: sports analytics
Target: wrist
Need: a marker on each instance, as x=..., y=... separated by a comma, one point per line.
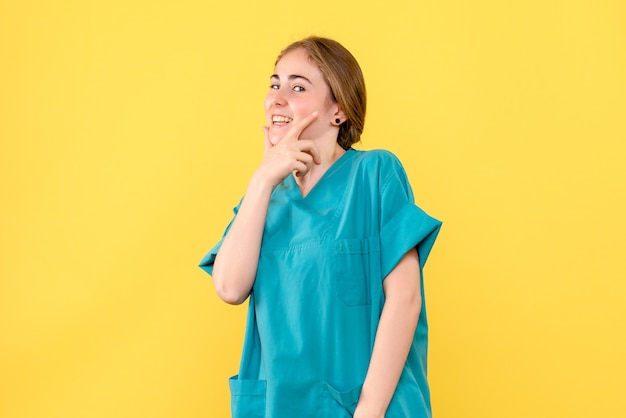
x=364, y=413
x=370, y=406
x=260, y=183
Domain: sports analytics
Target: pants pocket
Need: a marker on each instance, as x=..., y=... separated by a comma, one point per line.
x=408, y=399
x=342, y=403
x=247, y=398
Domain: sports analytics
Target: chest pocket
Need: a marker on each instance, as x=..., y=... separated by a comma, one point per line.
x=353, y=270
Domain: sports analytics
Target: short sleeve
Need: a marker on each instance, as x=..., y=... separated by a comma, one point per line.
x=207, y=261
x=403, y=224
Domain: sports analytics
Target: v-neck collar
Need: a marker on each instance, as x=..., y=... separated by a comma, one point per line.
x=328, y=173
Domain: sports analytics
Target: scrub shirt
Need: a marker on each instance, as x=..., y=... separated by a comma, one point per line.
x=317, y=297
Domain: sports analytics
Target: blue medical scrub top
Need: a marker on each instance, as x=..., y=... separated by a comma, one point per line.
x=317, y=297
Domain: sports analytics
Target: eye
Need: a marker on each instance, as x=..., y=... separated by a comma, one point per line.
x=274, y=86
x=298, y=88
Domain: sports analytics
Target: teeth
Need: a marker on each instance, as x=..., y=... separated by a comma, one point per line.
x=281, y=119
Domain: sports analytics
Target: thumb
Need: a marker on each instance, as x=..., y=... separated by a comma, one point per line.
x=266, y=139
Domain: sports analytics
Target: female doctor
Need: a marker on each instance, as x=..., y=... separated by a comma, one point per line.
x=329, y=246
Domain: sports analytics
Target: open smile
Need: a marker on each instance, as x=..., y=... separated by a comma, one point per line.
x=278, y=120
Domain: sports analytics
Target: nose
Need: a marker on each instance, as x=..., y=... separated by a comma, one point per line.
x=278, y=97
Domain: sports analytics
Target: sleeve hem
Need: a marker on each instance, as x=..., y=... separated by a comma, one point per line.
x=410, y=227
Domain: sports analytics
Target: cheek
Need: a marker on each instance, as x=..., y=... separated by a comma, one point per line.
x=313, y=130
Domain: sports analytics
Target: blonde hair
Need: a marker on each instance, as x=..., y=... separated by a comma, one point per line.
x=345, y=80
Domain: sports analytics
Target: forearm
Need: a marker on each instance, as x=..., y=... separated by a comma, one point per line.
x=236, y=263
x=237, y=260
x=393, y=341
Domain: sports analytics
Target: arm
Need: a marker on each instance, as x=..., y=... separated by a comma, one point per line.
x=236, y=263
x=403, y=302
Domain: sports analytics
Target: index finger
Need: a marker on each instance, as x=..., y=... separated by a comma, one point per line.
x=299, y=126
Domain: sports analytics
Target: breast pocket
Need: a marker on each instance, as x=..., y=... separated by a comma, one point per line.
x=352, y=271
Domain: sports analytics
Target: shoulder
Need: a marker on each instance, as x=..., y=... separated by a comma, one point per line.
x=378, y=158
x=383, y=171
x=380, y=162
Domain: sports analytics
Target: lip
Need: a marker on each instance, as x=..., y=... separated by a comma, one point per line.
x=277, y=124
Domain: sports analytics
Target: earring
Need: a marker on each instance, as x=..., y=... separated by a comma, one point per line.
x=337, y=121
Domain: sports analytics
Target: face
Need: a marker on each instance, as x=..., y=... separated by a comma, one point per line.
x=297, y=89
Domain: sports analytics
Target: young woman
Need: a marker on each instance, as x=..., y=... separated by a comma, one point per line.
x=329, y=246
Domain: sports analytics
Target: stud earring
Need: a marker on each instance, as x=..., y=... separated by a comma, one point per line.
x=337, y=121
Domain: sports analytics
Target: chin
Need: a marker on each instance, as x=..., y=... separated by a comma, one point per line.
x=275, y=139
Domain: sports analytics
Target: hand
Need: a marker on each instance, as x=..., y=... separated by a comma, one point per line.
x=366, y=411
x=362, y=413
x=290, y=155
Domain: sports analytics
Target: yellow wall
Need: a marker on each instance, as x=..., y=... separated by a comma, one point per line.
x=129, y=129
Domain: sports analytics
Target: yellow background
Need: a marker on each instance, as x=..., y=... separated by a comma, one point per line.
x=129, y=129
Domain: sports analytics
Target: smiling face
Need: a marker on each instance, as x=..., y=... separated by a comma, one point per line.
x=297, y=89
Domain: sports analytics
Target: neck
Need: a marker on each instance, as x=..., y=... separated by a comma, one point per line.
x=328, y=154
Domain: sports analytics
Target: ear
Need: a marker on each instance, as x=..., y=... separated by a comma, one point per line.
x=338, y=116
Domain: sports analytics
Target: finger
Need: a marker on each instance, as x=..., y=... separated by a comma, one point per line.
x=266, y=140
x=300, y=169
x=298, y=127
x=308, y=161
x=308, y=146
x=299, y=157
x=267, y=144
x=305, y=158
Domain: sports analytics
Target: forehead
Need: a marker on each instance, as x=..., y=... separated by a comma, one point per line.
x=297, y=62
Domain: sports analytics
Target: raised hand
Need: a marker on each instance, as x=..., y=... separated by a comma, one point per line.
x=290, y=155
x=235, y=267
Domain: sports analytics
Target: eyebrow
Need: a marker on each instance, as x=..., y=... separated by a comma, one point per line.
x=292, y=77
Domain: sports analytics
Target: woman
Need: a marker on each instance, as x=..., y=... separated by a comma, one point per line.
x=329, y=245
